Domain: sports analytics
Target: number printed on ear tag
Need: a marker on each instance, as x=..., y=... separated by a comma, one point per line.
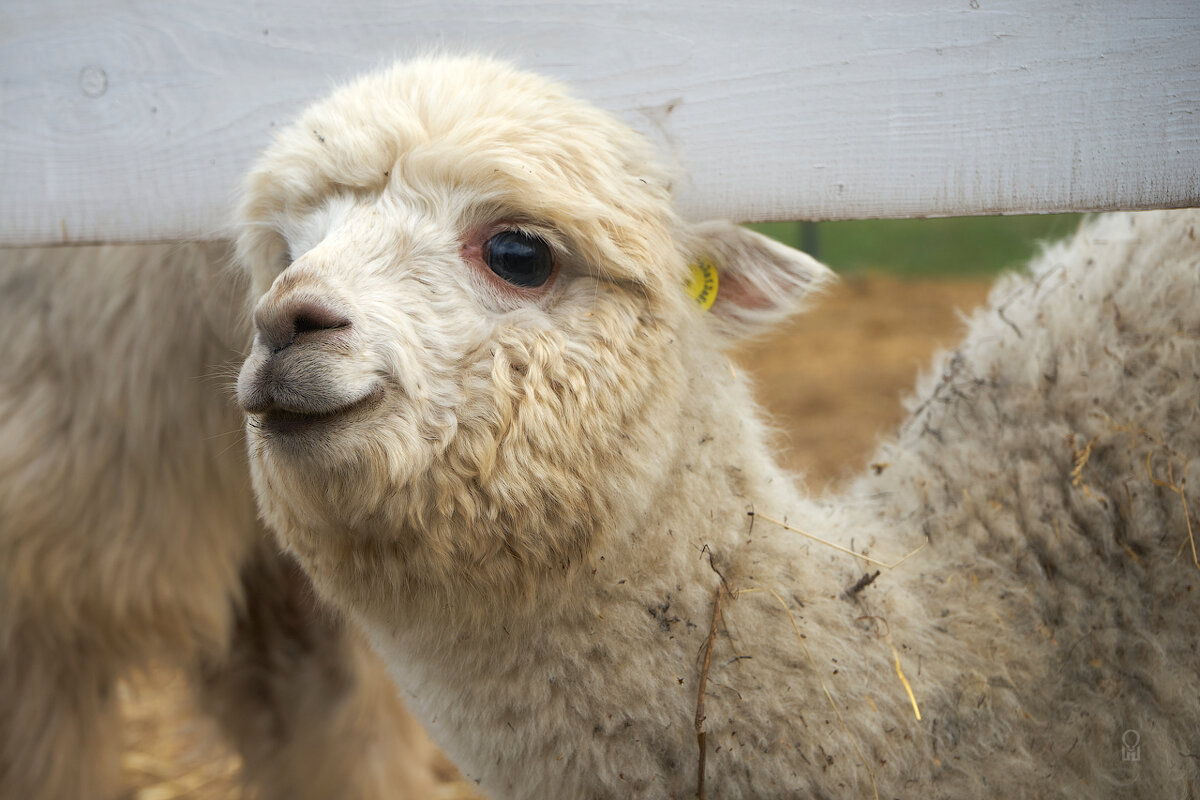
x=703, y=284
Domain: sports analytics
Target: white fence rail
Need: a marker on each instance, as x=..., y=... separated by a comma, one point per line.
x=132, y=119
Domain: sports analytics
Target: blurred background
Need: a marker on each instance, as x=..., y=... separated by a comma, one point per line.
x=834, y=378
x=953, y=248
x=832, y=382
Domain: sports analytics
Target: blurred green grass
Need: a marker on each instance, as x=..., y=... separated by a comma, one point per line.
x=966, y=247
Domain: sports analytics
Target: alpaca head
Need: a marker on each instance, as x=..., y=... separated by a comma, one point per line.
x=470, y=318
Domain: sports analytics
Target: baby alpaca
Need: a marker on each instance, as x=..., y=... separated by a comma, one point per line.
x=495, y=429
x=128, y=536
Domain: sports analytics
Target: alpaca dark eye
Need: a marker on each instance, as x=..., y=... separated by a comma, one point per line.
x=522, y=260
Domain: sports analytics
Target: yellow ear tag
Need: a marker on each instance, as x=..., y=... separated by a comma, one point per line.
x=703, y=284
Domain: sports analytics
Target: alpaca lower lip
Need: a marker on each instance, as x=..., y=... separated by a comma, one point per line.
x=280, y=421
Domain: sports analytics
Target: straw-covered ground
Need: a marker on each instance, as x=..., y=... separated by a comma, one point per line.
x=832, y=382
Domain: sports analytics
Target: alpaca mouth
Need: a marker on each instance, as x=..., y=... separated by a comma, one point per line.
x=280, y=421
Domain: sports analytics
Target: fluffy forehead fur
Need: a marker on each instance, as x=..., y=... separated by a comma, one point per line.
x=477, y=135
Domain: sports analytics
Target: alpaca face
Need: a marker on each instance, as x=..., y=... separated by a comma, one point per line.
x=469, y=306
x=463, y=323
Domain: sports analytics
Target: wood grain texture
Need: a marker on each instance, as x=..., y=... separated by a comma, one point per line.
x=133, y=119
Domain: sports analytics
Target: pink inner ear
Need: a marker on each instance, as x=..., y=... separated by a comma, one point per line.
x=736, y=291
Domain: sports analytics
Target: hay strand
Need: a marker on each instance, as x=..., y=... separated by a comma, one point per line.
x=847, y=550
x=701, y=734
x=907, y=686
x=1177, y=488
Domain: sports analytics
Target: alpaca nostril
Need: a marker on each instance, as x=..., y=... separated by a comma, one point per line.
x=308, y=318
x=280, y=325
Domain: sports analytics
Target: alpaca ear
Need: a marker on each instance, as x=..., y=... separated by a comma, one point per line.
x=746, y=281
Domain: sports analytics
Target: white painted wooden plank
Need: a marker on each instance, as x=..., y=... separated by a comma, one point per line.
x=132, y=119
